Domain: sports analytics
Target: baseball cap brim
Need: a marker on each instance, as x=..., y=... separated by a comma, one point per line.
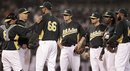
x=92, y=17
x=66, y=14
x=116, y=12
x=6, y=20
x=107, y=16
x=26, y=12
x=41, y=6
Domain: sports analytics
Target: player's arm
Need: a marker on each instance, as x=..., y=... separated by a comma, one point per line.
x=33, y=27
x=59, y=43
x=83, y=35
x=117, y=34
x=59, y=36
x=37, y=19
x=87, y=36
x=80, y=43
x=21, y=31
x=40, y=23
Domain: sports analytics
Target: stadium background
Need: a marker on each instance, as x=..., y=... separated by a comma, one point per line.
x=81, y=9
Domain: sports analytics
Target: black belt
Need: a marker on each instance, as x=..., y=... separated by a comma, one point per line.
x=9, y=49
x=96, y=46
x=68, y=45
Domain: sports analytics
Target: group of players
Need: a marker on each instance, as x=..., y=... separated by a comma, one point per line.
x=108, y=41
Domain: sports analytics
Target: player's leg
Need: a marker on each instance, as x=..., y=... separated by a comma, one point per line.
x=93, y=59
x=64, y=59
x=51, y=63
x=122, y=57
x=6, y=64
x=128, y=63
x=101, y=64
x=33, y=64
x=15, y=60
x=74, y=59
x=109, y=60
x=127, y=67
x=41, y=55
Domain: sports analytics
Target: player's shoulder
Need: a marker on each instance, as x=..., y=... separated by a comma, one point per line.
x=48, y=15
x=103, y=26
x=20, y=22
x=19, y=26
x=75, y=22
x=54, y=18
x=62, y=24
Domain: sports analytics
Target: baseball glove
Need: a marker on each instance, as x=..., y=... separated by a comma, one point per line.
x=112, y=50
x=112, y=47
x=79, y=50
x=86, y=54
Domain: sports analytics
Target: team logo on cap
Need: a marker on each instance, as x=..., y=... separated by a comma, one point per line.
x=92, y=14
x=65, y=11
x=106, y=13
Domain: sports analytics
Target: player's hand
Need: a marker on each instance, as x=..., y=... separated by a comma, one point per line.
x=79, y=45
x=79, y=50
x=59, y=45
x=112, y=50
x=37, y=18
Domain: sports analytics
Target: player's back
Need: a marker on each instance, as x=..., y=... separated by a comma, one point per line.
x=50, y=28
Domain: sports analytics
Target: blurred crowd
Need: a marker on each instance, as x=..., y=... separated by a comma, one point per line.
x=80, y=10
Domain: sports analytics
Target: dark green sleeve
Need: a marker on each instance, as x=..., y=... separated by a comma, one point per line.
x=21, y=31
x=87, y=36
x=59, y=31
x=117, y=33
x=40, y=26
x=81, y=31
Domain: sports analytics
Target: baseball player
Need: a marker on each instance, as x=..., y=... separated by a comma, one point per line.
x=109, y=56
x=10, y=33
x=96, y=42
x=25, y=57
x=48, y=30
x=72, y=36
x=25, y=54
x=23, y=14
x=121, y=36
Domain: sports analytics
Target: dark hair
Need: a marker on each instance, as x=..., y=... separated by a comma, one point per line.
x=113, y=21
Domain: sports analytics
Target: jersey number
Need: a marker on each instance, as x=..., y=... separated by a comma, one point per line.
x=52, y=26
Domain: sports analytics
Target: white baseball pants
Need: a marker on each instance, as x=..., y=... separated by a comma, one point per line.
x=96, y=64
x=25, y=55
x=109, y=59
x=11, y=59
x=47, y=51
x=68, y=57
x=122, y=57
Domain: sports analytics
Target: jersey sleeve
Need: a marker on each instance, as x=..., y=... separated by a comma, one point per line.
x=87, y=36
x=1, y=34
x=40, y=26
x=117, y=33
x=81, y=31
x=21, y=31
x=58, y=29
